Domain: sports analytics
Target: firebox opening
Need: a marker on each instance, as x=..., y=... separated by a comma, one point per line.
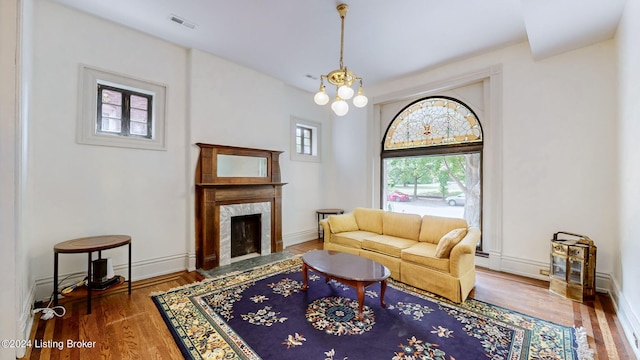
x=246, y=235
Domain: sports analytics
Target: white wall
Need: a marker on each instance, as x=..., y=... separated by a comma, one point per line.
x=13, y=276
x=627, y=268
x=557, y=131
x=232, y=105
x=76, y=190
x=308, y=182
x=16, y=70
x=79, y=190
x=349, y=186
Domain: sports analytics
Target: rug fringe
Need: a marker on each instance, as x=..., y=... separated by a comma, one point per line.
x=181, y=287
x=584, y=353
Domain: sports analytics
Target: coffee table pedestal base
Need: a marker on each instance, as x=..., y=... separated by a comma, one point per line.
x=357, y=284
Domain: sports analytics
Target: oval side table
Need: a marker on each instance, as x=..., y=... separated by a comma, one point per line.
x=89, y=245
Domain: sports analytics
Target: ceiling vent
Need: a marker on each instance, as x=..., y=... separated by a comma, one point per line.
x=178, y=20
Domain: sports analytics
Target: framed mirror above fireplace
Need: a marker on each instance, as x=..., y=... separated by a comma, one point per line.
x=234, y=182
x=241, y=166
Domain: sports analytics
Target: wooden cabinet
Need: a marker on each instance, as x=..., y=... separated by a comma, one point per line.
x=573, y=266
x=228, y=175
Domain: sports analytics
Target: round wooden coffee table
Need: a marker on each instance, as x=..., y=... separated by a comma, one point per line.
x=351, y=270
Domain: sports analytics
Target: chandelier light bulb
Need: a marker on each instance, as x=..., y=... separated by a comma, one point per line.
x=340, y=107
x=345, y=92
x=321, y=97
x=360, y=100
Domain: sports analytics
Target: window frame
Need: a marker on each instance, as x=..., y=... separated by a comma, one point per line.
x=306, y=139
x=125, y=116
x=87, y=122
x=316, y=139
x=435, y=150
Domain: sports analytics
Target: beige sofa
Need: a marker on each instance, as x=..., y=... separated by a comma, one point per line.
x=433, y=253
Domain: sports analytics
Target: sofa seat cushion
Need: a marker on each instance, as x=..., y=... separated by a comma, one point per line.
x=351, y=238
x=385, y=244
x=424, y=253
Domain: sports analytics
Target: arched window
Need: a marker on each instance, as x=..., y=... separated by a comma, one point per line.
x=432, y=160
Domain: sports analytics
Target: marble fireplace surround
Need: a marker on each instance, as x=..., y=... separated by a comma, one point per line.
x=229, y=211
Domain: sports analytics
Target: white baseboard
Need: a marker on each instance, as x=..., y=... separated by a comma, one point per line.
x=299, y=237
x=148, y=268
x=25, y=320
x=627, y=317
x=140, y=270
x=523, y=267
x=531, y=269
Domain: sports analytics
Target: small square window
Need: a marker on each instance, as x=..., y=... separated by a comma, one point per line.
x=124, y=112
x=121, y=111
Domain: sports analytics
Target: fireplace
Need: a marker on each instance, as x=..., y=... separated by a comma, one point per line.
x=236, y=182
x=262, y=210
x=245, y=235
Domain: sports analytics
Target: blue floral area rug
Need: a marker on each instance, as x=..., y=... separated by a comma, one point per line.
x=262, y=313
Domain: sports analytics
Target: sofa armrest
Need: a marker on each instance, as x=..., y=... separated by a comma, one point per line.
x=326, y=231
x=462, y=258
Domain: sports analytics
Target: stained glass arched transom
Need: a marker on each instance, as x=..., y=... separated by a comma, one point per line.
x=434, y=121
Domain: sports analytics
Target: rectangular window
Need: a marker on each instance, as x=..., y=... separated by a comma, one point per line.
x=124, y=112
x=303, y=140
x=121, y=111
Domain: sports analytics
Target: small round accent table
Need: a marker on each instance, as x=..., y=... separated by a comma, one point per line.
x=89, y=245
x=322, y=213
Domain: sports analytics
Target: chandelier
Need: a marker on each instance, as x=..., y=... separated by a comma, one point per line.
x=343, y=79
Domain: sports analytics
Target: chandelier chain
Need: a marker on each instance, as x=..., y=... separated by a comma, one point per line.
x=341, y=39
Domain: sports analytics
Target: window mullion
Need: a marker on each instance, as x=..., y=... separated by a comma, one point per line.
x=126, y=112
x=99, y=110
x=149, y=117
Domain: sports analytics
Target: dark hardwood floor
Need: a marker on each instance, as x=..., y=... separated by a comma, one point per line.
x=130, y=327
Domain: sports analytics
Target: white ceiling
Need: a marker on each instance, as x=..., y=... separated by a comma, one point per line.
x=291, y=39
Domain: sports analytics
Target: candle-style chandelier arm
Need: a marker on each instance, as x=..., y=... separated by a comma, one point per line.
x=342, y=78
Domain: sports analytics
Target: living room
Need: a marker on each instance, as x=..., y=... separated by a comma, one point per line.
x=560, y=151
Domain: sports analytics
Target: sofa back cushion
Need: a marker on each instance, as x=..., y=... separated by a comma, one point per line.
x=435, y=227
x=369, y=219
x=342, y=223
x=405, y=226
